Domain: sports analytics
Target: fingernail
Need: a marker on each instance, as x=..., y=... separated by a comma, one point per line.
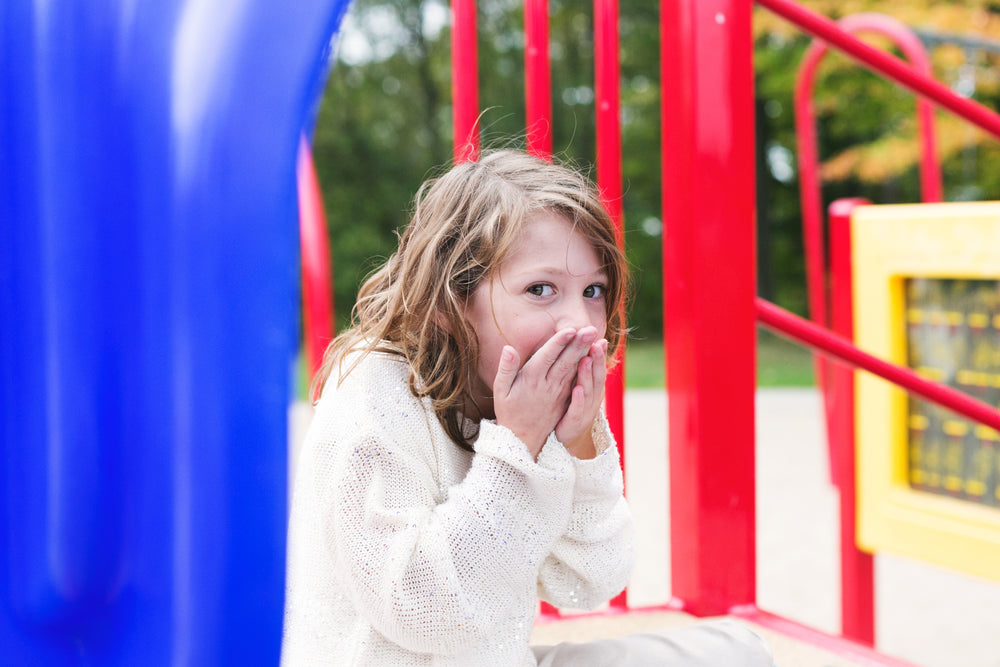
x=507, y=355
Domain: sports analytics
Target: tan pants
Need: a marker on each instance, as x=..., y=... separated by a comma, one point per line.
x=717, y=643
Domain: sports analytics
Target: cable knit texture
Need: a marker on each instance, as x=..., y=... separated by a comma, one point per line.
x=406, y=550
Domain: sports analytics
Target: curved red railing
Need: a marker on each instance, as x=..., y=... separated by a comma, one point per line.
x=884, y=63
x=317, y=277
x=808, y=158
x=911, y=46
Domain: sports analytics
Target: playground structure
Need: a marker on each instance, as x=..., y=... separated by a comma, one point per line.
x=147, y=355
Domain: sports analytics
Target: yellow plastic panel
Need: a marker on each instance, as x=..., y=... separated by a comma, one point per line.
x=922, y=287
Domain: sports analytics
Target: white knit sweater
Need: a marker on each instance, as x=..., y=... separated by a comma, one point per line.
x=406, y=550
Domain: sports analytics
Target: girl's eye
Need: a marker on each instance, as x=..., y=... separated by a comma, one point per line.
x=594, y=291
x=540, y=289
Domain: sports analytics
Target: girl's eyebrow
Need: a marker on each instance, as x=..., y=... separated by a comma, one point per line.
x=556, y=271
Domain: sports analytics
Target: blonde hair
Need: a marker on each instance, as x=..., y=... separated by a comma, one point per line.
x=463, y=227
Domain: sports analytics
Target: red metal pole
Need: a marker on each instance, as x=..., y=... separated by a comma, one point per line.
x=538, y=109
x=783, y=322
x=709, y=287
x=884, y=63
x=608, y=108
x=857, y=573
x=537, y=78
x=317, y=279
x=464, y=80
x=609, y=182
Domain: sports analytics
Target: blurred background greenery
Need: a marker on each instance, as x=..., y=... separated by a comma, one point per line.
x=384, y=125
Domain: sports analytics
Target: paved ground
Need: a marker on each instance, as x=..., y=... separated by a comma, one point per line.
x=928, y=616
x=924, y=614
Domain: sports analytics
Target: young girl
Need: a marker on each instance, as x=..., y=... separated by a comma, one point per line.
x=459, y=466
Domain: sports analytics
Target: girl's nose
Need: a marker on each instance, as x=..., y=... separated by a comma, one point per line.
x=575, y=313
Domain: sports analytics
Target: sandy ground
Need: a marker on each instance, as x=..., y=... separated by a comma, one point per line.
x=925, y=615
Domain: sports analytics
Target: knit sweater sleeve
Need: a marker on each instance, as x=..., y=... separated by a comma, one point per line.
x=436, y=570
x=592, y=561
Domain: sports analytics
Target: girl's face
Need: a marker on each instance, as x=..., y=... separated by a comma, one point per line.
x=552, y=280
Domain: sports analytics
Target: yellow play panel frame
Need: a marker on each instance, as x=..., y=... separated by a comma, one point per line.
x=891, y=244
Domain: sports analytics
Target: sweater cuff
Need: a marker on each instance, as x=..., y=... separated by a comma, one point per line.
x=601, y=475
x=501, y=443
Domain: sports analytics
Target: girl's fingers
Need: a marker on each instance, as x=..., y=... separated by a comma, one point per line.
x=564, y=366
x=560, y=386
x=599, y=353
x=587, y=394
x=550, y=352
x=581, y=398
x=576, y=409
x=592, y=371
x=585, y=375
x=506, y=371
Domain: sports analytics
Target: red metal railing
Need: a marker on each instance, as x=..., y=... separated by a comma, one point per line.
x=842, y=349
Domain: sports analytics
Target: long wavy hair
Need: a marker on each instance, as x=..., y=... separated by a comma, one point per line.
x=463, y=227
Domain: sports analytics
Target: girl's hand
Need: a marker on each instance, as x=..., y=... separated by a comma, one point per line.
x=574, y=429
x=532, y=399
